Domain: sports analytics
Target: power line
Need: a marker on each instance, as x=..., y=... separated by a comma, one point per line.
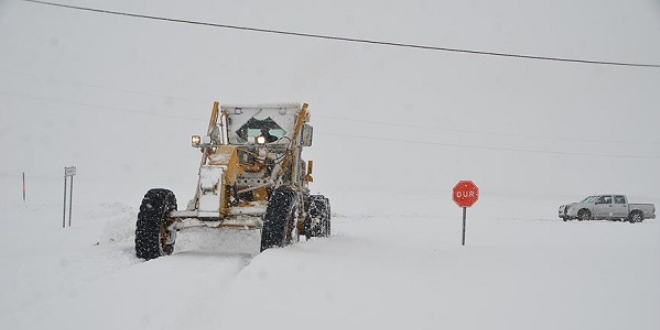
x=103, y=107
x=525, y=136
x=464, y=146
x=348, y=39
x=73, y=83
x=99, y=107
x=357, y=120
x=350, y=136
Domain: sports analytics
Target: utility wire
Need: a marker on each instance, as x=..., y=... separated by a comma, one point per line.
x=98, y=107
x=357, y=120
x=524, y=136
x=348, y=39
x=344, y=119
x=72, y=83
x=464, y=146
x=350, y=136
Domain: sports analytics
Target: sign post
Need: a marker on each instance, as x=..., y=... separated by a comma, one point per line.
x=464, y=217
x=465, y=194
x=69, y=171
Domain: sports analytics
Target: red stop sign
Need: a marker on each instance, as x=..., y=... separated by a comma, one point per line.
x=465, y=193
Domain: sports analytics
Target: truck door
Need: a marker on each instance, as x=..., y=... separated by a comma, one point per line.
x=604, y=208
x=620, y=207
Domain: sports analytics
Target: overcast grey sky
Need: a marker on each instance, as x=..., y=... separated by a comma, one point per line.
x=119, y=97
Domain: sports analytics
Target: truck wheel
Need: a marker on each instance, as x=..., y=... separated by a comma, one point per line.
x=152, y=239
x=635, y=216
x=584, y=215
x=317, y=222
x=278, y=218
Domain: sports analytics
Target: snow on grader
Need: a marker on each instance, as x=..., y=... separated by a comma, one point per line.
x=251, y=176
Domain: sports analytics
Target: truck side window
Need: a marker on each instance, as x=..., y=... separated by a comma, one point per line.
x=619, y=200
x=604, y=200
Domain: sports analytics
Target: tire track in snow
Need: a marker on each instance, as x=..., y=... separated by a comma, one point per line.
x=158, y=294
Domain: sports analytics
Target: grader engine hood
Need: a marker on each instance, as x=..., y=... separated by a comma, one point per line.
x=226, y=156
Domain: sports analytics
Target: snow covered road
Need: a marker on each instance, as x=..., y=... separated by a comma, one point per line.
x=154, y=295
x=377, y=271
x=59, y=278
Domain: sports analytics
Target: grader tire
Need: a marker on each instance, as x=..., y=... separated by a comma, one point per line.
x=278, y=218
x=152, y=240
x=317, y=223
x=328, y=223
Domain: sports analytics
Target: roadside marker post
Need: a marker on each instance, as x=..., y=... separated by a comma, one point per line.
x=69, y=171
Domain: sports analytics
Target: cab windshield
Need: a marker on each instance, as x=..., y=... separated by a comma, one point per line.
x=255, y=127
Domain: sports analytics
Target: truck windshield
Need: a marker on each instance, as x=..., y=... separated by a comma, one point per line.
x=589, y=199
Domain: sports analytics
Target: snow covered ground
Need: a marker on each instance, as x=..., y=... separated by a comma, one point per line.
x=395, y=129
x=386, y=270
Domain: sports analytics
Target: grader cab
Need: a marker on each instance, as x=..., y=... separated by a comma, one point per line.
x=251, y=177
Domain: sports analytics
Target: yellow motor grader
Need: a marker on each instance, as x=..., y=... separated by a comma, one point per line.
x=251, y=176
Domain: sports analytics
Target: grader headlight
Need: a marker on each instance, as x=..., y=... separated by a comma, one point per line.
x=261, y=139
x=195, y=140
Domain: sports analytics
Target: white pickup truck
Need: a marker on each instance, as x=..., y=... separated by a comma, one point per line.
x=607, y=207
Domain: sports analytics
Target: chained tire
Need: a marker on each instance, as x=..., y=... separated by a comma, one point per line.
x=328, y=223
x=317, y=222
x=278, y=219
x=152, y=239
